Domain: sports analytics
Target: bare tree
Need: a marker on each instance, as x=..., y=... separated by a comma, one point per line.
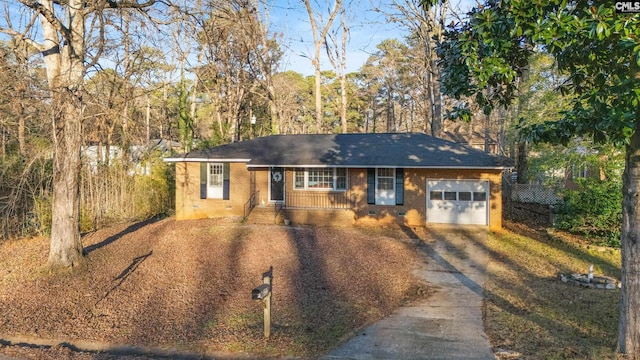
x=239, y=62
x=267, y=59
x=225, y=74
x=319, y=40
x=386, y=72
x=337, y=54
x=294, y=95
x=23, y=159
x=64, y=49
x=425, y=19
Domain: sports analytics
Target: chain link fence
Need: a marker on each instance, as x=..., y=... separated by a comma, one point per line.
x=534, y=193
x=531, y=204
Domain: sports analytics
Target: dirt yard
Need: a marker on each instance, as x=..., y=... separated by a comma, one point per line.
x=185, y=287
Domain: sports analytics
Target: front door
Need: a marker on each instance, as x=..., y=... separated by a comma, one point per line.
x=276, y=184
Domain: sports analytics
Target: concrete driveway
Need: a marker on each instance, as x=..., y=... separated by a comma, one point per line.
x=448, y=325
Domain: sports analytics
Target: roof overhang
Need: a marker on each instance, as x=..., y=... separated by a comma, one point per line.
x=266, y=166
x=177, y=160
x=384, y=166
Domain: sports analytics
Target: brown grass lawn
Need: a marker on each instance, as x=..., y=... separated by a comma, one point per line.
x=532, y=314
x=186, y=286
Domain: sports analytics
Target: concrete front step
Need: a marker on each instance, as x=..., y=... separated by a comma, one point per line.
x=264, y=215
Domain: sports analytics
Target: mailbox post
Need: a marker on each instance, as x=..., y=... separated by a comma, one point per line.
x=263, y=293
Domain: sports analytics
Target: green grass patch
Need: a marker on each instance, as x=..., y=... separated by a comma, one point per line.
x=530, y=312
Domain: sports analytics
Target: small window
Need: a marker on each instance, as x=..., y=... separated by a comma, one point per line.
x=464, y=196
x=341, y=179
x=386, y=178
x=385, y=183
x=435, y=195
x=215, y=175
x=385, y=186
x=479, y=196
x=450, y=195
x=298, y=182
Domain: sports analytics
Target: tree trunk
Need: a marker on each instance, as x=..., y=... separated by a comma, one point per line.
x=66, y=245
x=21, y=128
x=521, y=162
x=435, y=70
x=65, y=74
x=268, y=70
x=318, y=93
x=126, y=84
x=389, y=110
x=3, y=148
x=276, y=119
x=343, y=73
x=434, y=85
x=318, y=40
x=487, y=124
x=629, y=324
x=148, y=120
x=429, y=91
x=343, y=103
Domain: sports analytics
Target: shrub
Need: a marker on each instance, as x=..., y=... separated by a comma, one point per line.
x=25, y=196
x=40, y=219
x=124, y=192
x=593, y=209
x=153, y=193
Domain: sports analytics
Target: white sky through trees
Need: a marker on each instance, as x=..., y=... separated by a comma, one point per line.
x=366, y=19
x=368, y=28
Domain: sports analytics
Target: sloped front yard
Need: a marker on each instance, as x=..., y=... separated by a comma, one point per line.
x=531, y=314
x=187, y=286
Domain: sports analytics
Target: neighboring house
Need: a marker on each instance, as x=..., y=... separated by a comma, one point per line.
x=93, y=155
x=475, y=139
x=411, y=179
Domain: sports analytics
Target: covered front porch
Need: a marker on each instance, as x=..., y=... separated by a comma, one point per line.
x=281, y=214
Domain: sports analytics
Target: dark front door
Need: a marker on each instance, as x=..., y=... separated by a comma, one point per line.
x=276, y=180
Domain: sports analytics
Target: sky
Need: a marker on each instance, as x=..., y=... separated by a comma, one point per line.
x=368, y=28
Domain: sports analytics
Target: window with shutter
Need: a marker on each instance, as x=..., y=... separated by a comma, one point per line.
x=214, y=180
x=399, y=186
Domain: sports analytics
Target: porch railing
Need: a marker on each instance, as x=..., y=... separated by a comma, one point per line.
x=321, y=200
x=250, y=204
x=279, y=207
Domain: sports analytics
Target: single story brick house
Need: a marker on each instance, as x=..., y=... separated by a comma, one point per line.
x=406, y=178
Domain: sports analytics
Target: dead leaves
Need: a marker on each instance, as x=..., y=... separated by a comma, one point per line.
x=187, y=285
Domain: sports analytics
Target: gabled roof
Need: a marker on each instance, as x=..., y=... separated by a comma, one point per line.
x=408, y=150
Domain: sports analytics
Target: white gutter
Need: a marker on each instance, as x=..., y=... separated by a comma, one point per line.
x=384, y=166
x=176, y=160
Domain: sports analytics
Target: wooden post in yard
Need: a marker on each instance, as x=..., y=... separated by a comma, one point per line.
x=267, y=305
x=263, y=293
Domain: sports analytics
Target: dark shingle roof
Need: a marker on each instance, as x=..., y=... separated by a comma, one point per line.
x=350, y=150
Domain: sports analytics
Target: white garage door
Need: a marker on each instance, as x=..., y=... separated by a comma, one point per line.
x=458, y=201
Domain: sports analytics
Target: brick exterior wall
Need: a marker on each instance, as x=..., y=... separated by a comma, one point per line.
x=412, y=213
x=188, y=202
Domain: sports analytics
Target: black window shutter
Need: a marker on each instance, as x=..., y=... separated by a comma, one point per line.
x=225, y=181
x=399, y=186
x=203, y=180
x=371, y=186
